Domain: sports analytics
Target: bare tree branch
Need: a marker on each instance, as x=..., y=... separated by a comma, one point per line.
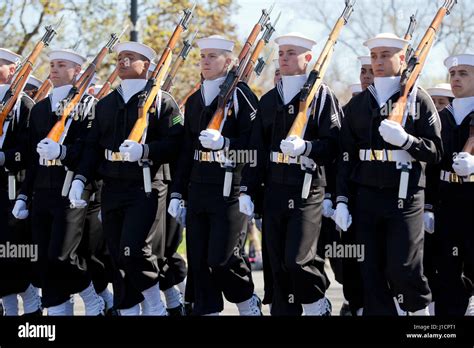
x=35, y=30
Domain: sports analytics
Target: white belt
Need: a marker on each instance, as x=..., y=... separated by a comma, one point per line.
x=113, y=156
x=454, y=178
x=209, y=156
x=50, y=163
x=401, y=158
x=281, y=158
x=385, y=155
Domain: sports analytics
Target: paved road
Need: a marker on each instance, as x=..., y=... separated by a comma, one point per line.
x=334, y=294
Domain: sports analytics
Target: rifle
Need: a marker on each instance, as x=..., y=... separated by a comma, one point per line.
x=43, y=91
x=469, y=146
x=59, y=131
x=248, y=45
x=408, y=36
x=311, y=87
x=315, y=78
x=408, y=80
x=21, y=77
x=415, y=65
x=148, y=95
x=13, y=93
x=236, y=73
x=262, y=62
x=190, y=93
x=107, y=84
x=227, y=89
x=187, y=45
x=267, y=34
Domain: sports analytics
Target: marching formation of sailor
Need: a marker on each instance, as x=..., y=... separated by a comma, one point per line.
x=106, y=182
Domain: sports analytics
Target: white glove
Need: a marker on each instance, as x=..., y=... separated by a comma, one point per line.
x=131, y=151
x=393, y=133
x=342, y=217
x=211, y=139
x=177, y=210
x=328, y=211
x=463, y=164
x=293, y=146
x=173, y=207
x=20, y=211
x=48, y=149
x=181, y=218
x=75, y=194
x=428, y=221
x=246, y=205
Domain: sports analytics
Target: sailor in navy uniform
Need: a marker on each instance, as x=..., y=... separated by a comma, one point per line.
x=16, y=274
x=291, y=222
x=128, y=211
x=215, y=229
x=56, y=228
x=450, y=209
x=384, y=162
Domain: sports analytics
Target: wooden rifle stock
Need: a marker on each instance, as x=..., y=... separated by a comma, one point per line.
x=249, y=68
x=236, y=73
x=190, y=93
x=23, y=74
x=43, y=91
x=316, y=76
x=79, y=89
x=187, y=45
x=148, y=96
x=469, y=146
x=415, y=65
x=107, y=84
x=142, y=121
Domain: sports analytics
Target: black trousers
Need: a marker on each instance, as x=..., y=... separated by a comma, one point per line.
x=351, y=274
x=328, y=236
x=93, y=244
x=292, y=228
x=215, y=232
x=267, y=270
x=15, y=273
x=430, y=257
x=127, y=218
x=392, y=235
x=58, y=230
x=172, y=265
x=455, y=253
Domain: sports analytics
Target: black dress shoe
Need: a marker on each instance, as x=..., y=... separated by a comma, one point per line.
x=112, y=312
x=188, y=308
x=177, y=311
x=345, y=310
x=37, y=313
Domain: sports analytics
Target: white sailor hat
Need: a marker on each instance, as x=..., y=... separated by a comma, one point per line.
x=459, y=59
x=386, y=40
x=34, y=81
x=215, y=42
x=9, y=55
x=365, y=60
x=137, y=47
x=67, y=55
x=441, y=90
x=356, y=88
x=295, y=39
